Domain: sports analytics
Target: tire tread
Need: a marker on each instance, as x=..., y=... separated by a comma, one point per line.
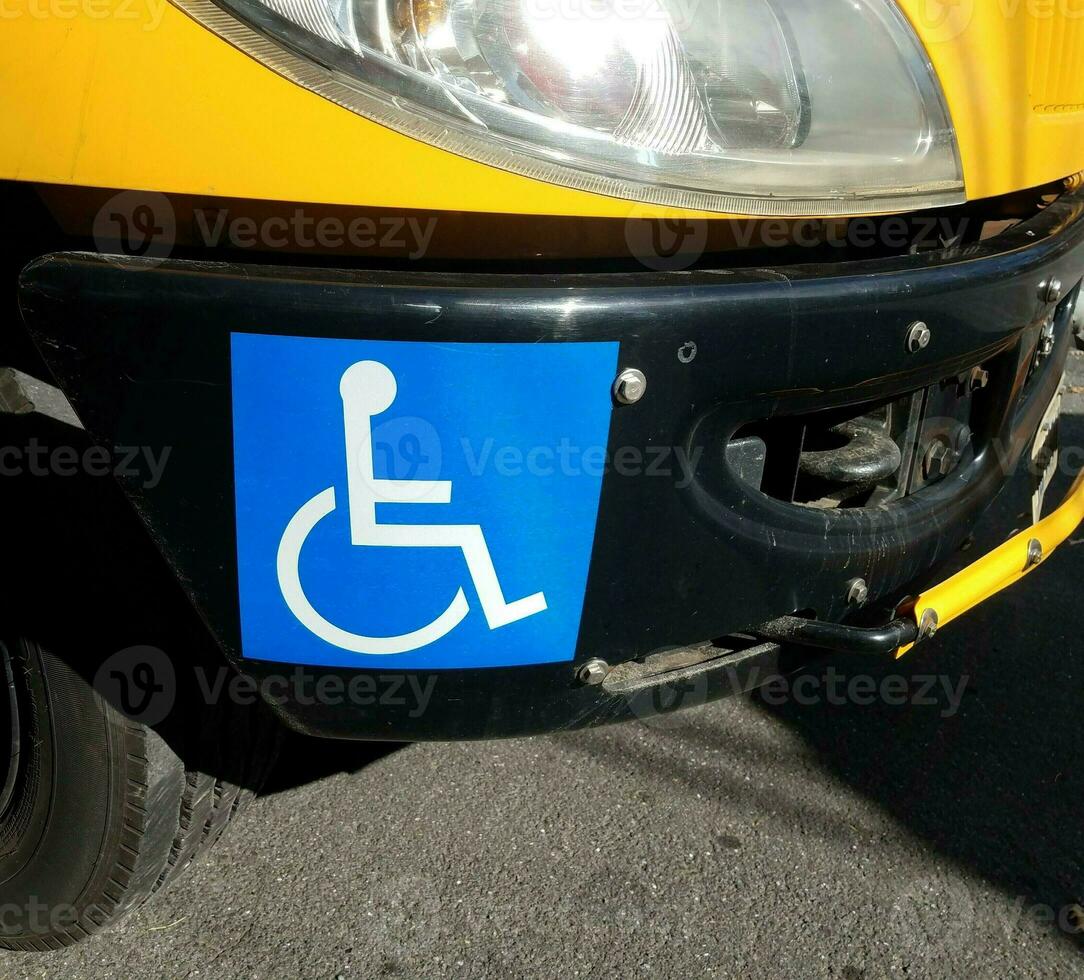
x=171, y=814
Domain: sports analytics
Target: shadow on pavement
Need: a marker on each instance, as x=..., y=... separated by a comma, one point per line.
x=998, y=785
x=305, y=760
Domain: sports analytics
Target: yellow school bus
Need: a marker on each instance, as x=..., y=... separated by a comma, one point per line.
x=448, y=369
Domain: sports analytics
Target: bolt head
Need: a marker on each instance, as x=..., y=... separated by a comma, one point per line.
x=593, y=672
x=857, y=592
x=1035, y=553
x=937, y=461
x=1046, y=337
x=1051, y=291
x=980, y=378
x=630, y=386
x=918, y=337
x=927, y=624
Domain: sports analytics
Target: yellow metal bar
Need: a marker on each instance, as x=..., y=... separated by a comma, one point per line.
x=1002, y=567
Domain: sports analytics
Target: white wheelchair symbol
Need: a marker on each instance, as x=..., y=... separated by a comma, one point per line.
x=368, y=388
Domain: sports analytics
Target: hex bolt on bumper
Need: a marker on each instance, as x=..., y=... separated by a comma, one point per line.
x=857, y=592
x=1051, y=291
x=918, y=337
x=630, y=386
x=593, y=672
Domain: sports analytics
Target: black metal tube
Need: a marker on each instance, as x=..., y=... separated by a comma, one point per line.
x=878, y=640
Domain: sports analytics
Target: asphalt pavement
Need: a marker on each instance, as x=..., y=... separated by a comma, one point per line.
x=931, y=830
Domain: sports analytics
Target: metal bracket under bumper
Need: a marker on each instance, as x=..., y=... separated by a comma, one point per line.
x=992, y=573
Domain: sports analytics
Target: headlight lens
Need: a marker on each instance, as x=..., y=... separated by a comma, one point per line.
x=740, y=106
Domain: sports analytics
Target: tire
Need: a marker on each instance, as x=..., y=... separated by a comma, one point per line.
x=98, y=810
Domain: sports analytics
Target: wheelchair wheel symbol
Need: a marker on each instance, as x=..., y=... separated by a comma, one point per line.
x=368, y=388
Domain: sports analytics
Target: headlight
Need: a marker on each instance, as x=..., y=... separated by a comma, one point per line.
x=742, y=106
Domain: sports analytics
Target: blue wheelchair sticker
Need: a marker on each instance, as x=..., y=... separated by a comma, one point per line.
x=416, y=505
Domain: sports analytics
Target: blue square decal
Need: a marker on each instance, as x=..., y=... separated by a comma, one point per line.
x=416, y=505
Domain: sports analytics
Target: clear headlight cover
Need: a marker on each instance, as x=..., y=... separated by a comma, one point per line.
x=765, y=107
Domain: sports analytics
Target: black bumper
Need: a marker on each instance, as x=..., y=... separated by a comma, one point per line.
x=143, y=352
